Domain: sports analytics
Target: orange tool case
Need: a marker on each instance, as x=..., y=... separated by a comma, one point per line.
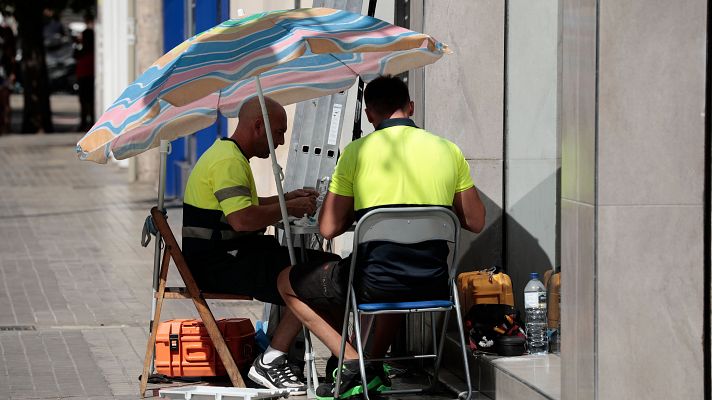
x=484, y=287
x=184, y=348
x=552, y=281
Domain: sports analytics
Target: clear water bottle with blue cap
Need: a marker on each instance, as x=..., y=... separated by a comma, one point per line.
x=535, y=310
x=323, y=188
x=261, y=338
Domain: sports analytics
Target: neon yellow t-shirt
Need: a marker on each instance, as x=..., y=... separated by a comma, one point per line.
x=221, y=180
x=401, y=165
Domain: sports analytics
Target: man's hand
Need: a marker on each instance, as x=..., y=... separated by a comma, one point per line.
x=267, y=213
x=301, y=202
x=300, y=193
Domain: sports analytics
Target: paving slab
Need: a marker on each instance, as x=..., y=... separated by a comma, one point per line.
x=75, y=283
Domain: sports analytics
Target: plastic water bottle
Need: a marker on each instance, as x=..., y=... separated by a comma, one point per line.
x=323, y=188
x=261, y=338
x=535, y=308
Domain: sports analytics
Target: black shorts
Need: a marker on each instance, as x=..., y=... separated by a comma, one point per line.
x=252, y=271
x=323, y=288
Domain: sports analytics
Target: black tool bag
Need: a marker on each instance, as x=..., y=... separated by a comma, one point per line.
x=487, y=323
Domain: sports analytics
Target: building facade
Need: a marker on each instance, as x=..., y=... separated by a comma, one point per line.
x=586, y=126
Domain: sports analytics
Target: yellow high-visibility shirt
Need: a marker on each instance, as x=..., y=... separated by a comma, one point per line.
x=221, y=180
x=400, y=164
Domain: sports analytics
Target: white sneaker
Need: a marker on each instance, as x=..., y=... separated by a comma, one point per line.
x=276, y=375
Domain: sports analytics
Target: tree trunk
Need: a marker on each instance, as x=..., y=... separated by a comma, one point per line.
x=37, y=113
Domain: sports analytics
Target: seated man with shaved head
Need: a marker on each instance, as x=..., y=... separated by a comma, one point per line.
x=223, y=225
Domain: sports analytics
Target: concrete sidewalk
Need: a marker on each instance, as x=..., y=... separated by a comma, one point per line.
x=75, y=283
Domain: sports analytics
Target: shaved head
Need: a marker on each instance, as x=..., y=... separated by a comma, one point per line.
x=251, y=109
x=251, y=133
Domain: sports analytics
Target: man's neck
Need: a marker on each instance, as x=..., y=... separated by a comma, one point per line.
x=396, y=114
x=243, y=145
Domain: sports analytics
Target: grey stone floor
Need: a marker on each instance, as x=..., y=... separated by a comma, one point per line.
x=75, y=283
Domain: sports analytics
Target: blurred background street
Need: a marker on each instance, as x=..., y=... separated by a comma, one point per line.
x=75, y=291
x=65, y=112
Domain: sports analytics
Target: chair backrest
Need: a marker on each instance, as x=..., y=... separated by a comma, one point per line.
x=408, y=225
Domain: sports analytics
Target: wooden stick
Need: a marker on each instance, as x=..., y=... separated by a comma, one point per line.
x=151, y=345
x=200, y=304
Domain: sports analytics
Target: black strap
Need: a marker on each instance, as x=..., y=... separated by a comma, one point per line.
x=149, y=228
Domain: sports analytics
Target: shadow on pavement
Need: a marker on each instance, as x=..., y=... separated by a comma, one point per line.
x=65, y=112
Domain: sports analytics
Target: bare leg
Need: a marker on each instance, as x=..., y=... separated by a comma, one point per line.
x=288, y=328
x=311, y=320
x=384, y=333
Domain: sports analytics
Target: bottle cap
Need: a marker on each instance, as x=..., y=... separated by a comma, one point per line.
x=534, y=275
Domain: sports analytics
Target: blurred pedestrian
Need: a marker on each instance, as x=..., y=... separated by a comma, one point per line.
x=85, y=75
x=7, y=72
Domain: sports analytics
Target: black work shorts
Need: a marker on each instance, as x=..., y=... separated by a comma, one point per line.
x=323, y=288
x=252, y=271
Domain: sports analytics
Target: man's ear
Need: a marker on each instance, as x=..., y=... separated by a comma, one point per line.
x=411, y=108
x=257, y=125
x=369, y=116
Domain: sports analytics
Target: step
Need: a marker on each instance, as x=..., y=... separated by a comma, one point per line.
x=512, y=378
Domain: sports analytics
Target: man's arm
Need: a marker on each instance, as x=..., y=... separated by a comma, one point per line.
x=269, y=200
x=289, y=196
x=253, y=217
x=469, y=209
x=336, y=216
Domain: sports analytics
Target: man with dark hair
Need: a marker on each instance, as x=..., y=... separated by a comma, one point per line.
x=387, y=96
x=397, y=165
x=223, y=225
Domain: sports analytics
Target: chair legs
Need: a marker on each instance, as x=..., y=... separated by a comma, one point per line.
x=342, y=350
x=359, y=346
x=438, y=346
x=309, y=362
x=439, y=351
x=463, y=345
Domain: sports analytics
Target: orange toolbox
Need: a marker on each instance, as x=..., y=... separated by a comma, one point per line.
x=184, y=348
x=484, y=287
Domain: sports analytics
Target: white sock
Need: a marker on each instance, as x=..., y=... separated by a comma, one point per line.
x=270, y=354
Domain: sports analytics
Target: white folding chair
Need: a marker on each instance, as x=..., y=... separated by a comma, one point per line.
x=406, y=225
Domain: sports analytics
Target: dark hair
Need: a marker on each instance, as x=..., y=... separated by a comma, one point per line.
x=386, y=95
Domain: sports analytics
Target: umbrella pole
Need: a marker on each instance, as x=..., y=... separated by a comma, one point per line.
x=312, y=381
x=164, y=149
x=278, y=176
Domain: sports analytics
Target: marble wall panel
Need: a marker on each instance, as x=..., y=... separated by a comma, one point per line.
x=578, y=150
x=578, y=100
x=485, y=249
x=569, y=298
x=464, y=91
x=531, y=220
x=651, y=101
x=577, y=303
x=585, y=313
x=650, y=302
x=532, y=79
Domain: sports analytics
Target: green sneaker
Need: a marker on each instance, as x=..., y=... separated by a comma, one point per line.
x=351, y=381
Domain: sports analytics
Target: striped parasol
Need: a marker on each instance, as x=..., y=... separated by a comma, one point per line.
x=290, y=56
x=297, y=54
